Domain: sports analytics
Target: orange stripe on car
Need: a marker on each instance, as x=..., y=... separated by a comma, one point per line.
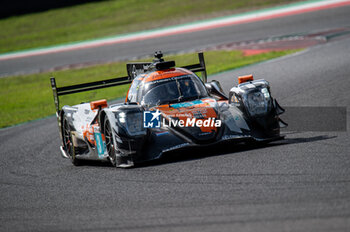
x=164, y=74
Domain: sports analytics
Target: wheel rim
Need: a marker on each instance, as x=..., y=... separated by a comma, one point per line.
x=109, y=141
x=67, y=138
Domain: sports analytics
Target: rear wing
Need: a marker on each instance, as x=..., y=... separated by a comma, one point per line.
x=200, y=67
x=132, y=68
x=60, y=91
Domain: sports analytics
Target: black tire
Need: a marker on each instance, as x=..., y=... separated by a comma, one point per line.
x=68, y=142
x=109, y=142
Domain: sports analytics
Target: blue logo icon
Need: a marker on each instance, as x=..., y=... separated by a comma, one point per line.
x=151, y=119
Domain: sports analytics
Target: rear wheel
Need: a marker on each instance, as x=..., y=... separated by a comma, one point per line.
x=68, y=142
x=109, y=142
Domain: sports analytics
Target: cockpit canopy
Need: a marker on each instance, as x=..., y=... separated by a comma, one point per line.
x=168, y=90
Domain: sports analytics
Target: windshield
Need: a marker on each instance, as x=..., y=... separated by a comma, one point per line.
x=171, y=90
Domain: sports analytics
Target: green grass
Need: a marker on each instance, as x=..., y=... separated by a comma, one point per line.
x=107, y=18
x=29, y=97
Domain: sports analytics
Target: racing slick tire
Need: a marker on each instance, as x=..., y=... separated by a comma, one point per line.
x=112, y=149
x=110, y=142
x=68, y=143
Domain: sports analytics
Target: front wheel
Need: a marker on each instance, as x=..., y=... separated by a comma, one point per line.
x=68, y=143
x=109, y=142
x=116, y=160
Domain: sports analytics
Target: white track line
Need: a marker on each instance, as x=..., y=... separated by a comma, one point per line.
x=291, y=9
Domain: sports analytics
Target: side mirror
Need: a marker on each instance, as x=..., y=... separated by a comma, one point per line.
x=214, y=89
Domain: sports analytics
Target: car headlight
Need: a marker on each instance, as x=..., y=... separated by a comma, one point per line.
x=131, y=122
x=258, y=102
x=122, y=117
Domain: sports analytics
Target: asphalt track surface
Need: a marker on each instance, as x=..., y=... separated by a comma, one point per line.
x=299, y=184
x=314, y=21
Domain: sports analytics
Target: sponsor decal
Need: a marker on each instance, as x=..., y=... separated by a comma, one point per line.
x=200, y=114
x=234, y=99
x=162, y=133
x=100, y=144
x=186, y=104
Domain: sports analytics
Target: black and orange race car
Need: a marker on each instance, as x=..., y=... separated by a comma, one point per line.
x=166, y=109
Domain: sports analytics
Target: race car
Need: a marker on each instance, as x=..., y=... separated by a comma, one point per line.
x=167, y=108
